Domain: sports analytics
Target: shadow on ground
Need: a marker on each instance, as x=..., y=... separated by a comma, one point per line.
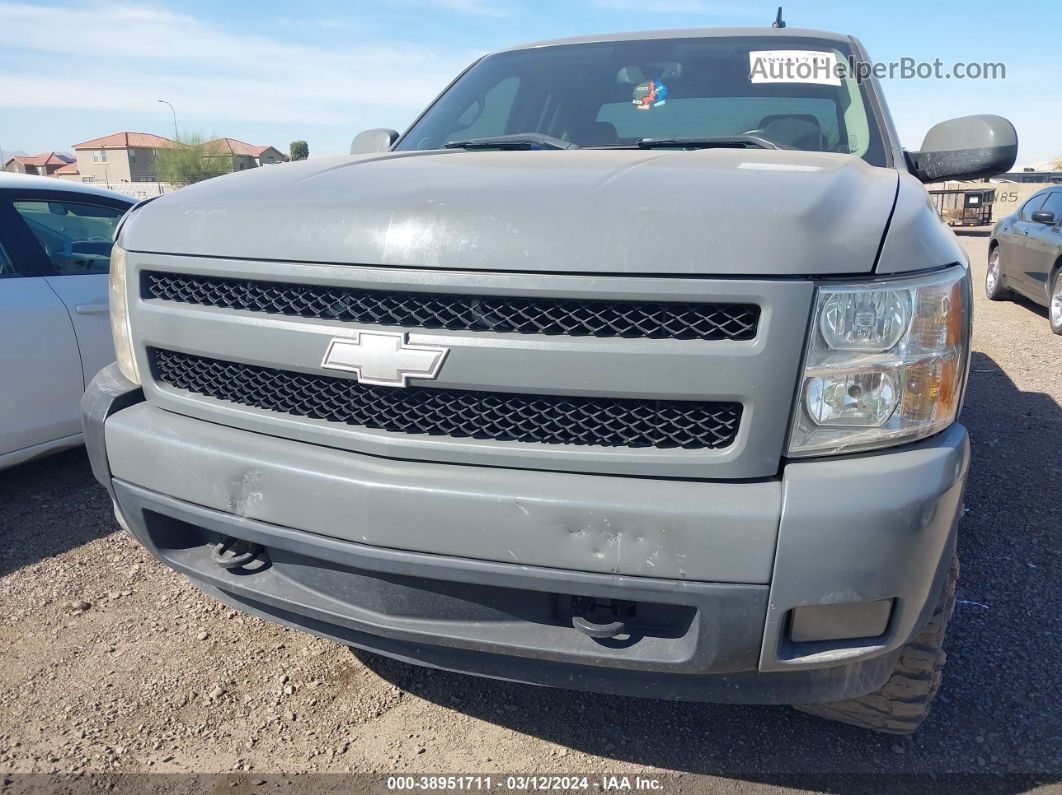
x=972, y=231
x=1031, y=305
x=48, y=506
x=998, y=708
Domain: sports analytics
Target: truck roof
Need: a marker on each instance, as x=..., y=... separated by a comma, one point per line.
x=684, y=33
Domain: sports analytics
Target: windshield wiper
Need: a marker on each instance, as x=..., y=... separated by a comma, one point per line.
x=714, y=142
x=518, y=141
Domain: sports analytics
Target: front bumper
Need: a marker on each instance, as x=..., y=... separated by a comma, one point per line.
x=474, y=569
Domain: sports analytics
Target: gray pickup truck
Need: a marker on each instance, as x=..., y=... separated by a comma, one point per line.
x=633, y=365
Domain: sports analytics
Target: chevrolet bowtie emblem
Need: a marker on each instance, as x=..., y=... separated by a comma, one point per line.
x=383, y=358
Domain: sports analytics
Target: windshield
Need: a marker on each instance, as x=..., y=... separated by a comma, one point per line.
x=618, y=93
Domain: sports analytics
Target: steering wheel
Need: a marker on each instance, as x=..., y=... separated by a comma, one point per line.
x=756, y=136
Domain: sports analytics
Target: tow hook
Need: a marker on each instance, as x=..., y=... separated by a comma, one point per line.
x=232, y=553
x=601, y=618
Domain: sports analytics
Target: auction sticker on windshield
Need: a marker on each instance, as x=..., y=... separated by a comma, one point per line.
x=651, y=94
x=794, y=66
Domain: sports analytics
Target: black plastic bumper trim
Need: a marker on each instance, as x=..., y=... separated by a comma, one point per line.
x=278, y=601
x=109, y=392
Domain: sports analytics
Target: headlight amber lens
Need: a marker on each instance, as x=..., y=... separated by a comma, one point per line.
x=929, y=390
x=885, y=364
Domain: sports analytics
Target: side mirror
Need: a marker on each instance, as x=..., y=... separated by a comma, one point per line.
x=1043, y=217
x=969, y=147
x=379, y=139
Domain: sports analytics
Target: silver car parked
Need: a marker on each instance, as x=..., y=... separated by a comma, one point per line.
x=55, y=245
x=1025, y=254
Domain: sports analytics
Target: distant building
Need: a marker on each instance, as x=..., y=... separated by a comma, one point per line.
x=120, y=157
x=69, y=171
x=245, y=155
x=130, y=157
x=45, y=164
x=1039, y=177
x=1039, y=172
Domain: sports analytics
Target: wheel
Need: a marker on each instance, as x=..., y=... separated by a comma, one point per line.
x=1054, y=308
x=904, y=701
x=994, y=288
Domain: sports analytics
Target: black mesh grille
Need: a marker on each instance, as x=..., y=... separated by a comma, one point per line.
x=577, y=318
x=458, y=413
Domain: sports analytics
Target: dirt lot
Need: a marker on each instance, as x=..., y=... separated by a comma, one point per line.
x=112, y=663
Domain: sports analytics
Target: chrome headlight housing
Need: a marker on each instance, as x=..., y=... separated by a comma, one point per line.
x=119, y=308
x=885, y=363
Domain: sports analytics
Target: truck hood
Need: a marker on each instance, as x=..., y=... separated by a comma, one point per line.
x=707, y=212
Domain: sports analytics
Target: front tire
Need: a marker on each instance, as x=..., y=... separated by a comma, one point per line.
x=1054, y=306
x=994, y=286
x=900, y=706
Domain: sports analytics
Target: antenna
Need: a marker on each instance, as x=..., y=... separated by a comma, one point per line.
x=778, y=21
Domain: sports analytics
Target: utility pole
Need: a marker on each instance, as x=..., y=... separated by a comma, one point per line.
x=164, y=102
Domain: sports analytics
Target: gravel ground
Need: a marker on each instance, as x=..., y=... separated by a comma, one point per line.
x=112, y=663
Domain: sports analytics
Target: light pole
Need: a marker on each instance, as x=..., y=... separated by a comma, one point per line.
x=164, y=102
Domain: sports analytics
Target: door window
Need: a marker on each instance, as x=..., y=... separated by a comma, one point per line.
x=1054, y=204
x=1032, y=206
x=76, y=236
x=7, y=267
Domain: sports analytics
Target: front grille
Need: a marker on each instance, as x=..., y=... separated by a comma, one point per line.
x=456, y=413
x=576, y=318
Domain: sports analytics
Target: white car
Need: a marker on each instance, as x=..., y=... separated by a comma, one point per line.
x=55, y=247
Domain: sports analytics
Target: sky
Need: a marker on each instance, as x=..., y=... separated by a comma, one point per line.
x=271, y=72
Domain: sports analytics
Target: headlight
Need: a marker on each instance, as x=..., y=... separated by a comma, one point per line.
x=119, y=306
x=864, y=320
x=885, y=363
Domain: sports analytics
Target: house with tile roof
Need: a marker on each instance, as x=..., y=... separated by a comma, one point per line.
x=69, y=171
x=130, y=157
x=245, y=155
x=45, y=164
x=119, y=157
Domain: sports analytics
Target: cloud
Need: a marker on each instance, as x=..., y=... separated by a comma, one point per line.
x=129, y=56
